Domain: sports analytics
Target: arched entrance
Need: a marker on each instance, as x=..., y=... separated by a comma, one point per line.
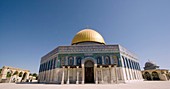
x=24, y=76
x=89, y=71
x=155, y=76
x=147, y=76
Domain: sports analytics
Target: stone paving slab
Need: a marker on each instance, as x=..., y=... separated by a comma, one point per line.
x=132, y=85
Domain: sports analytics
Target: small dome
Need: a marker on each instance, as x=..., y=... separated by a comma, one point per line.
x=88, y=35
x=150, y=65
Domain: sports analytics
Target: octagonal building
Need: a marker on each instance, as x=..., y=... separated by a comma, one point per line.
x=89, y=60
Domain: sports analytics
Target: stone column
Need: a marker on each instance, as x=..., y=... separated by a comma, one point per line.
x=68, y=81
x=151, y=76
x=127, y=72
x=96, y=77
x=116, y=73
x=52, y=69
x=135, y=74
x=111, y=78
x=27, y=76
x=82, y=73
x=74, y=74
x=77, y=82
x=96, y=74
x=123, y=70
x=131, y=72
x=101, y=74
x=140, y=75
x=62, y=82
x=49, y=74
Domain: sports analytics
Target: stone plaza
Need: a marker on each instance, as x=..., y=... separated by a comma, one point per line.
x=130, y=85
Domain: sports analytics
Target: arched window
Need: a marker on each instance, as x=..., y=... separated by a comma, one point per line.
x=127, y=63
x=58, y=64
x=24, y=76
x=49, y=65
x=124, y=61
x=62, y=61
x=15, y=73
x=54, y=64
x=44, y=66
x=130, y=64
x=99, y=60
x=107, y=60
x=70, y=60
x=40, y=69
x=20, y=74
x=155, y=76
x=147, y=76
x=78, y=60
x=134, y=65
x=115, y=59
x=139, y=67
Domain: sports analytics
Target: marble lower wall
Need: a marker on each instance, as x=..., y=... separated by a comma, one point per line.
x=104, y=75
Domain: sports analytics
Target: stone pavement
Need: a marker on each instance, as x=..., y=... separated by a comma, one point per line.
x=132, y=85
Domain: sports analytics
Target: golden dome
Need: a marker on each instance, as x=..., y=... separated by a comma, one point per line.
x=87, y=35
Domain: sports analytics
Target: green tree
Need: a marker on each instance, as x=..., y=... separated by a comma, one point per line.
x=15, y=73
x=20, y=74
x=0, y=71
x=8, y=74
x=34, y=74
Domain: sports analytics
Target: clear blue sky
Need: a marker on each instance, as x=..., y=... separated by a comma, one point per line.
x=30, y=29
